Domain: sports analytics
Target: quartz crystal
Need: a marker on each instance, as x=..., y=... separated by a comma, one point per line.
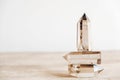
x=83, y=62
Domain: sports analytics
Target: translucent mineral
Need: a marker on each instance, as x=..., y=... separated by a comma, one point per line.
x=84, y=64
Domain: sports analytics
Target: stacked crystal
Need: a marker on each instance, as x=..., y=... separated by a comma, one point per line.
x=83, y=62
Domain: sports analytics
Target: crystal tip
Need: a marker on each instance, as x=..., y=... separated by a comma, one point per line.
x=84, y=17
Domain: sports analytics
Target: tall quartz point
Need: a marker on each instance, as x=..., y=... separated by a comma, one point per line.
x=83, y=62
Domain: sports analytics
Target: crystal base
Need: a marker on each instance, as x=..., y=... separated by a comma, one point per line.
x=84, y=70
x=84, y=64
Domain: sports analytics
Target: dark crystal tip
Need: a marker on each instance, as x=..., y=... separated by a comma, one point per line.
x=84, y=17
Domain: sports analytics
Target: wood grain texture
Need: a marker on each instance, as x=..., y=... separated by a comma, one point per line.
x=50, y=66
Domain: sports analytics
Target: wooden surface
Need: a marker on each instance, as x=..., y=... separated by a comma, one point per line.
x=50, y=66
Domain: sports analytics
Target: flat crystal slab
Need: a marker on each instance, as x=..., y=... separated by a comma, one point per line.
x=83, y=64
x=84, y=57
x=84, y=70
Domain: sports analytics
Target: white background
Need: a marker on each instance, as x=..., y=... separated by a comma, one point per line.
x=50, y=25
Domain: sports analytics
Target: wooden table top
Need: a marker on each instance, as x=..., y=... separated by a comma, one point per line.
x=50, y=66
